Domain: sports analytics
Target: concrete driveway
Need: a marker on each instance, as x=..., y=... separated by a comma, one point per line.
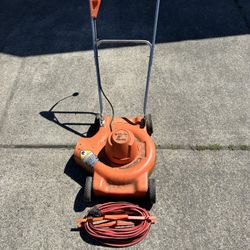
x=199, y=100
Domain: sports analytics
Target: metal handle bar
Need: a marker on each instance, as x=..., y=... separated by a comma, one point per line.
x=122, y=41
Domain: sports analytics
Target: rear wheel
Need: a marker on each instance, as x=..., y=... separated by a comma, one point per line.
x=97, y=122
x=149, y=124
x=147, y=121
x=151, y=191
x=87, y=196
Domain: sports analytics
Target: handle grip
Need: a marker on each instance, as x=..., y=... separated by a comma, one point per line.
x=94, y=7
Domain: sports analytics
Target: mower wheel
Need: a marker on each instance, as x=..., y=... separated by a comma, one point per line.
x=97, y=122
x=149, y=124
x=151, y=191
x=87, y=196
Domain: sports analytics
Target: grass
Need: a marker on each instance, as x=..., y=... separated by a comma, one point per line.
x=232, y=147
x=202, y=147
x=217, y=147
x=212, y=147
x=244, y=147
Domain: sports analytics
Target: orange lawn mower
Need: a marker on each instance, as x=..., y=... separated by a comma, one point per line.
x=120, y=157
x=122, y=154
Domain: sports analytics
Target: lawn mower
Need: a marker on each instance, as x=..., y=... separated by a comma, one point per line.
x=121, y=155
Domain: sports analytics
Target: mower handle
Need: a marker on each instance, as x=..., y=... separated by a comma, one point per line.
x=94, y=9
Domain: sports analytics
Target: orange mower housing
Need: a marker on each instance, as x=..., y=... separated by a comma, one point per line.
x=120, y=160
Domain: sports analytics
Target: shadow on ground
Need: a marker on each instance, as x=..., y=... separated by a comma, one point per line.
x=91, y=127
x=51, y=115
x=78, y=174
x=34, y=27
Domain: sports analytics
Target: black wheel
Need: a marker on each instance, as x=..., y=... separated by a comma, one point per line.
x=97, y=122
x=94, y=128
x=151, y=191
x=87, y=196
x=149, y=124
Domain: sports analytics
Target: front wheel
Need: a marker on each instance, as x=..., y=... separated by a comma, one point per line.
x=152, y=191
x=87, y=195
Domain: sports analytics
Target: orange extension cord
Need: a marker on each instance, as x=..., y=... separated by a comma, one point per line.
x=117, y=224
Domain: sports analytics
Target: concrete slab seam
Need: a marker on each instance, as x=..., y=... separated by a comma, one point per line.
x=197, y=147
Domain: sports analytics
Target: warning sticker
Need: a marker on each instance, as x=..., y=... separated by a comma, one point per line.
x=89, y=158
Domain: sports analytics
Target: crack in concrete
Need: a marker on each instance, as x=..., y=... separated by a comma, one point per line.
x=208, y=147
x=37, y=146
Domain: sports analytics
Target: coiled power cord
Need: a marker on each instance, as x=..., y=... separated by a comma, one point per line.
x=117, y=224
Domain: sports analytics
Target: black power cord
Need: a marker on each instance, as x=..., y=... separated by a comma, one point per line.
x=111, y=106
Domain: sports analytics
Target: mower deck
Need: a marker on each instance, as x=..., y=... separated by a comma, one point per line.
x=120, y=160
